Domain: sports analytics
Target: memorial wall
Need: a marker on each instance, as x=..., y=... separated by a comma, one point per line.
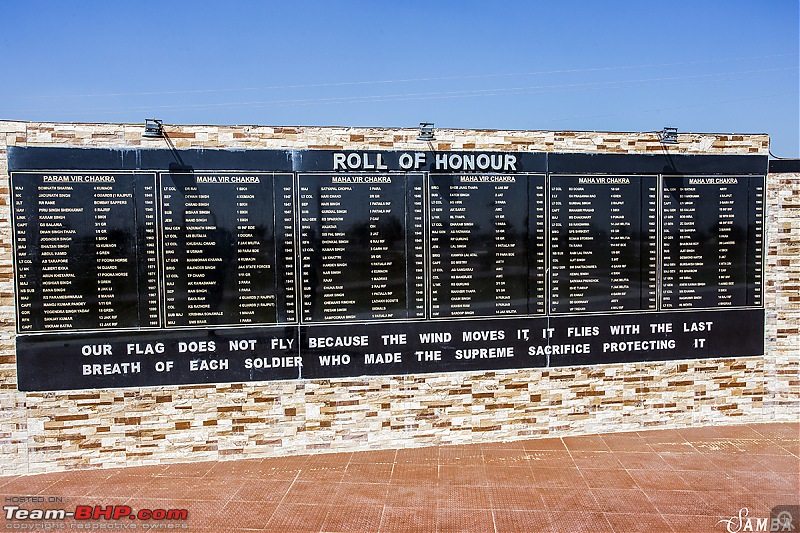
x=278, y=291
x=383, y=263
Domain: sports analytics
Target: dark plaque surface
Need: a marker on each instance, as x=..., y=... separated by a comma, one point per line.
x=362, y=238
x=603, y=243
x=326, y=264
x=227, y=250
x=117, y=359
x=85, y=247
x=147, y=358
x=487, y=245
x=713, y=242
x=493, y=344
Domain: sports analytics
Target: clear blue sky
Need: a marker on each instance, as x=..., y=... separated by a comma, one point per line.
x=717, y=66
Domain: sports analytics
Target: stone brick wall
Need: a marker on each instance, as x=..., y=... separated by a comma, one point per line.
x=782, y=364
x=122, y=427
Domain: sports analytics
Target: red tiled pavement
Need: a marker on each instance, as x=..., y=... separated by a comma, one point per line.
x=661, y=480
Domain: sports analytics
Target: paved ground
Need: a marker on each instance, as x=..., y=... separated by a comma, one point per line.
x=661, y=480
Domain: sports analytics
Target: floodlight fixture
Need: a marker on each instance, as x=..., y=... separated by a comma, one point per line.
x=669, y=136
x=153, y=128
x=425, y=131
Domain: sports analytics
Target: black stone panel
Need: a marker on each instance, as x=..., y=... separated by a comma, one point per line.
x=186, y=160
x=146, y=359
x=603, y=243
x=85, y=250
x=712, y=242
x=224, y=253
x=135, y=359
x=487, y=236
x=784, y=166
x=372, y=262
x=361, y=242
x=663, y=163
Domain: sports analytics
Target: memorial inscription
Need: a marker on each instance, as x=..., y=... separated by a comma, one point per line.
x=381, y=263
x=362, y=239
x=227, y=248
x=713, y=242
x=603, y=243
x=487, y=245
x=85, y=251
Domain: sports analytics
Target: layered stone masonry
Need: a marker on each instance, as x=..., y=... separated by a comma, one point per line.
x=42, y=432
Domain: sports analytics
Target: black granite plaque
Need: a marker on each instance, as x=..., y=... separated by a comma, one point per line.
x=133, y=278
x=90, y=360
x=755, y=241
x=164, y=357
x=226, y=260
x=361, y=238
x=713, y=242
x=487, y=245
x=85, y=249
x=603, y=243
x=493, y=344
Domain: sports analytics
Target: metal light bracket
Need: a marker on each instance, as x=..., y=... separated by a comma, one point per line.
x=669, y=136
x=425, y=131
x=153, y=128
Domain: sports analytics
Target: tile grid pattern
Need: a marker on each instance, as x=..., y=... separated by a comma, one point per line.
x=660, y=481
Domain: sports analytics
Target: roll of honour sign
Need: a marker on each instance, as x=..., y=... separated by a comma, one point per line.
x=336, y=264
